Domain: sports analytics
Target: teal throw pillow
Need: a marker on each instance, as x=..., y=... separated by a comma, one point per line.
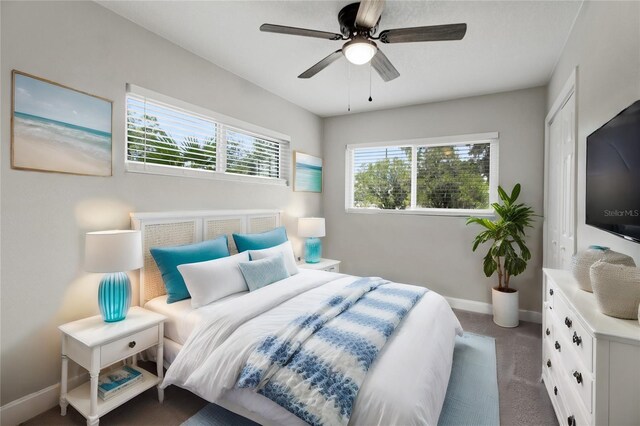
x=168, y=259
x=260, y=241
x=261, y=273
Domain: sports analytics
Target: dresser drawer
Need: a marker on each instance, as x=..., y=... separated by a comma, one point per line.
x=550, y=292
x=579, y=380
x=564, y=401
x=559, y=362
x=547, y=332
x=128, y=346
x=334, y=268
x=556, y=395
x=574, y=333
x=573, y=406
x=549, y=364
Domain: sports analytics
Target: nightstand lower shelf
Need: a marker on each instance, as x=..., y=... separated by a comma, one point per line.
x=80, y=399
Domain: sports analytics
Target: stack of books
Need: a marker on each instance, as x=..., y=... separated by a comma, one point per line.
x=114, y=382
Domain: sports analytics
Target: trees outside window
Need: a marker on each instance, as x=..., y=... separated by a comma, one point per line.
x=160, y=135
x=454, y=176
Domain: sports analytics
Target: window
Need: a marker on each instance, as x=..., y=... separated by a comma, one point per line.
x=451, y=175
x=168, y=136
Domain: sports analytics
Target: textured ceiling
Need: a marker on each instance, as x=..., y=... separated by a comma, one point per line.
x=509, y=45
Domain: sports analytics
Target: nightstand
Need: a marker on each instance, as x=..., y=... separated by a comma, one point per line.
x=328, y=265
x=95, y=344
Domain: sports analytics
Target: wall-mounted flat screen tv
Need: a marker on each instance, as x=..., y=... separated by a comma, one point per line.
x=613, y=175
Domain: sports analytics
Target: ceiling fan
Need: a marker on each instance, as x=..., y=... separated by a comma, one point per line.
x=358, y=24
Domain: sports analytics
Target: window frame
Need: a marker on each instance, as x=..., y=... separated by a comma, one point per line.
x=223, y=122
x=490, y=137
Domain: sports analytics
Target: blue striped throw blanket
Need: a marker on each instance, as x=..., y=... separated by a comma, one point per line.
x=314, y=366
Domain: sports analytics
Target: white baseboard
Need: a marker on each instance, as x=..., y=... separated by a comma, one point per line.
x=487, y=308
x=29, y=406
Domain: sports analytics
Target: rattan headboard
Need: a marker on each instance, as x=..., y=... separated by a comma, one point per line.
x=177, y=228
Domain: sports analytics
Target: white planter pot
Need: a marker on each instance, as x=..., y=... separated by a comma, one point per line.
x=505, y=308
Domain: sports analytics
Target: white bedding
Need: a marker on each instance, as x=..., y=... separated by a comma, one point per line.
x=182, y=318
x=405, y=385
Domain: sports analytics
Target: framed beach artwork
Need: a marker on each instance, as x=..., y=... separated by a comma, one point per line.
x=58, y=129
x=307, y=172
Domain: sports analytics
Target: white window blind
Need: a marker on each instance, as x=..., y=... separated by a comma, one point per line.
x=168, y=136
x=452, y=175
x=252, y=155
x=160, y=134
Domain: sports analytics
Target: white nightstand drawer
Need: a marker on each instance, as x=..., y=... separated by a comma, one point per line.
x=128, y=346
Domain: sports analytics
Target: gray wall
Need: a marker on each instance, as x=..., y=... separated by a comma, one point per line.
x=45, y=215
x=435, y=251
x=605, y=46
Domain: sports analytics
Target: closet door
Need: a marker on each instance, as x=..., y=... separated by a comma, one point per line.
x=568, y=196
x=552, y=214
x=561, y=187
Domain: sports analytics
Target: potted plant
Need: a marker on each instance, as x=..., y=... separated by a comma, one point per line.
x=508, y=254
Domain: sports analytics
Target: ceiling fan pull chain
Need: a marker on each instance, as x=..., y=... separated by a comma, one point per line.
x=370, y=98
x=348, y=87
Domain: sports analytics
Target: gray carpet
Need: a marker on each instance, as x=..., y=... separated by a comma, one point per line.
x=523, y=399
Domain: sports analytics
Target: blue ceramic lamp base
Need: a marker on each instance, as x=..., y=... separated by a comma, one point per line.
x=312, y=250
x=114, y=296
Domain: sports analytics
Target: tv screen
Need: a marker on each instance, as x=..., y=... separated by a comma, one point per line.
x=613, y=175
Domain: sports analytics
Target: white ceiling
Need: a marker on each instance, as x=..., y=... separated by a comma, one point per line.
x=509, y=45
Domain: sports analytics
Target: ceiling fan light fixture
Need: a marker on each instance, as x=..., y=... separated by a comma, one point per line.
x=359, y=51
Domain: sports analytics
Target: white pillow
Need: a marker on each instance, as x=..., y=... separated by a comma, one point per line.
x=214, y=279
x=287, y=253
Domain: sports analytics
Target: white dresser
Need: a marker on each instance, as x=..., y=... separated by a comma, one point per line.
x=590, y=361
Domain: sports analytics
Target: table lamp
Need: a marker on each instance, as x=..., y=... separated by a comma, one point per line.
x=312, y=228
x=113, y=252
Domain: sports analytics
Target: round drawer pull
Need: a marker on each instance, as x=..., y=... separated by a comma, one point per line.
x=577, y=339
x=132, y=344
x=571, y=420
x=549, y=363
x=578, y=376
x=557, y=345
x=567, y=322
x=555, y=390
x=548, y=332
x=550, y=292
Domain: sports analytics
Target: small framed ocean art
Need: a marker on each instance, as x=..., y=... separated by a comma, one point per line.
x=58, y=129
x=307, y=172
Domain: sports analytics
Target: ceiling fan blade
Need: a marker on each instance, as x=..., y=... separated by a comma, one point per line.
x=431, y=33
x=383, y=66
x=321, y=65
x=281, y=29
x=369, y=13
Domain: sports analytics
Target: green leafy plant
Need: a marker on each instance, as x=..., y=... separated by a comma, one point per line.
x=508, y=253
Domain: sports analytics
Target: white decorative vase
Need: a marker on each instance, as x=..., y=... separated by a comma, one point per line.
x=505, y=308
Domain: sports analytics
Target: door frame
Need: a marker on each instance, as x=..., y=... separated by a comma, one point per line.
x=563, y=97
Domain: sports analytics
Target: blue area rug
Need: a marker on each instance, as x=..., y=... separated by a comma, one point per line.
x=472, y=395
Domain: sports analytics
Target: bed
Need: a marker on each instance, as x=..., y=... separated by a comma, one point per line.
x=406, y=383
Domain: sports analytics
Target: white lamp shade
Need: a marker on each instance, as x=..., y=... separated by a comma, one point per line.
x=311, y=227
x=113, y=251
